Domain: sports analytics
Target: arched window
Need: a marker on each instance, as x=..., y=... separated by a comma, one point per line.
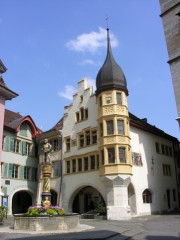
x=147, y=196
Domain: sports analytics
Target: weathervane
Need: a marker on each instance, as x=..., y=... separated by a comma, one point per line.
x=107, y=22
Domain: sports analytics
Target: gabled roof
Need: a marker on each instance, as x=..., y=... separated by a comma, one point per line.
x=13, y=121
x=144, y=125
x=59, y=124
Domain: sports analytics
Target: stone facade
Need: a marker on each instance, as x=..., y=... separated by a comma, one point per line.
x=170, y=14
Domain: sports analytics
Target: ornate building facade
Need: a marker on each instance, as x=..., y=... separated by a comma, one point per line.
x=110, y=156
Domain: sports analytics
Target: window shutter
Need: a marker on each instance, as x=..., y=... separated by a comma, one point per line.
x=5, y=190
x=10, y=170
x=5, y=173
x=21, y=172
x=7, y=143
x=23, y=148
x=12, y=144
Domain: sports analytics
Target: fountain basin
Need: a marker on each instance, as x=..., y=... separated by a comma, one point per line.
x=46, y=223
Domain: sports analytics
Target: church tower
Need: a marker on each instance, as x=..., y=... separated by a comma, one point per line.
x=114, y=135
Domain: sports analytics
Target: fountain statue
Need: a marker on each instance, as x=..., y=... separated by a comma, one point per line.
x=46, y=173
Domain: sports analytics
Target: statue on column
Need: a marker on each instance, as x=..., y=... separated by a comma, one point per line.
x=47, y=148
x=46, y=174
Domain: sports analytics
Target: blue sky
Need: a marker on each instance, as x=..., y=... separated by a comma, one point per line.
x=49, y=45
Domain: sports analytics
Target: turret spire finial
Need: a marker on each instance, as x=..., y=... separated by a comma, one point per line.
x=107, y=23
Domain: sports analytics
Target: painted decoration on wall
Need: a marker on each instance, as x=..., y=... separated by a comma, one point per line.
x=136, y=159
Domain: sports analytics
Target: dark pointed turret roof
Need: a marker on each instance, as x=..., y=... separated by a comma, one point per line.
x=110, y=76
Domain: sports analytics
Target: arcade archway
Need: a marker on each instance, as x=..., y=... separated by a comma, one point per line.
x=132, y=199
x=86, y=199
x=21, y=201
x=53, y=197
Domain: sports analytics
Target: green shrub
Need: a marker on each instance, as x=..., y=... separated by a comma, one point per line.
x=101, y=208
x=3, y=213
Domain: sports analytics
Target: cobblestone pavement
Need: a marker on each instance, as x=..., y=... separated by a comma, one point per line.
x=154, y=227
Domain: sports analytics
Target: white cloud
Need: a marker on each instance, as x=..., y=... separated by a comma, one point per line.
x=91, y=42
x=87, y=62
x=68, y=92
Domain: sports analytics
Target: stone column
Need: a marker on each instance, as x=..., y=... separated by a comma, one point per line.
x=46, y=172
x=117, y=197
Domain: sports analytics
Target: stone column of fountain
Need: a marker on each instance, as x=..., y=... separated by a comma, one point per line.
x=46, y=174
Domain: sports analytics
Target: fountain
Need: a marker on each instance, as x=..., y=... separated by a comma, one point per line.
x=46, y=217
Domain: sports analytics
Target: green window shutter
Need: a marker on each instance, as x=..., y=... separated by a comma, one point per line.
x=21, y=172
x=7, y=143
x=10, y=170
x=23, y=148
x=5, y=190
x=12, y=144
x=5, y=172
